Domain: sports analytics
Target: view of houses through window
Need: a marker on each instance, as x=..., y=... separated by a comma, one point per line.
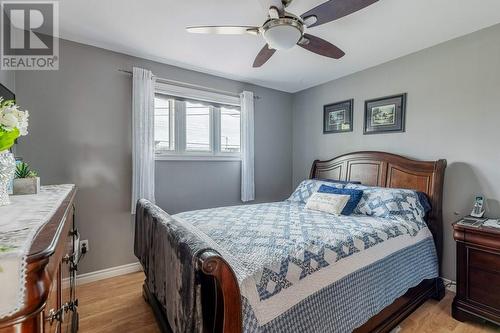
x=190, y=127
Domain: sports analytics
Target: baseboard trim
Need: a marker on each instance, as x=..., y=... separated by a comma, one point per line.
x=108, y=273
x=450, y=285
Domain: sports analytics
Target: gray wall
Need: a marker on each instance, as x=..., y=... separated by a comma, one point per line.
x=453, y=112
x=80, y=132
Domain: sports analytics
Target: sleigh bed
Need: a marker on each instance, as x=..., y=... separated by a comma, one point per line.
x=226, y=300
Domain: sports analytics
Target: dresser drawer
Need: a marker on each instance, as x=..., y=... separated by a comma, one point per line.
x=52, y=305
x=484, y=260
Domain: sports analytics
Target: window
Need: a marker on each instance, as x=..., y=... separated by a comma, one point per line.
x=230, y=130
x=187, y=128
x=198, y=120
x=164, y=124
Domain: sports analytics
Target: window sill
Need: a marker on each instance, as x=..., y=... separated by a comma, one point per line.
x=209, y=158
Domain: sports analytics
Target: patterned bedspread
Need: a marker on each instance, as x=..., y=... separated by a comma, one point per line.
x=306, y=271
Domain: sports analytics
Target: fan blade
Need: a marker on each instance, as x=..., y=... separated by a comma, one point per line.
x=320, y=46
x=333, y=10
x=224, y=30
x=263, y=56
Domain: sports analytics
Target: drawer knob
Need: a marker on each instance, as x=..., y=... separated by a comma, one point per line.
x=55, y=315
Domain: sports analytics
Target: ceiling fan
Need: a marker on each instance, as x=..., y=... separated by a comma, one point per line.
x=283, y=30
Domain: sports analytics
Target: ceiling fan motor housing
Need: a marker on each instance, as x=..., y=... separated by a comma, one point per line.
x=282, y=33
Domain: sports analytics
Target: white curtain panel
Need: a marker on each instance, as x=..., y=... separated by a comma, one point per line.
x=143, y=159
x=247, y=146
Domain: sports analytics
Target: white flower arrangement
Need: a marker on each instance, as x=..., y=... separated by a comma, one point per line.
x=11, y=117
x=13, y=123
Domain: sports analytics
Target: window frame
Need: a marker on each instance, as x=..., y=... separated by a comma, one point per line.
x=180, y=152
x=172, y=135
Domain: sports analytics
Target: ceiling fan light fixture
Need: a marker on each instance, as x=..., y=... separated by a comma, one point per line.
x=282, y=34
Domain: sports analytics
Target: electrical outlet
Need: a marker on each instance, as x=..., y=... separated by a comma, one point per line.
x=84, y=246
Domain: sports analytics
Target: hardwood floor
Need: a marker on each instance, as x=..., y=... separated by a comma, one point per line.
x=116, y=305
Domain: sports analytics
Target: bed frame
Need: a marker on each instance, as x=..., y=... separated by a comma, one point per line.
x=220, y=292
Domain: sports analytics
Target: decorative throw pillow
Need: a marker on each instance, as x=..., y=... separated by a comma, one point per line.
x=327, y=202
x=389, y=203
x=308, y=187
x=354, y=197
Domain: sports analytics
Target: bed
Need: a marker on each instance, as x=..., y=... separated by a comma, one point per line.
x=278, y=267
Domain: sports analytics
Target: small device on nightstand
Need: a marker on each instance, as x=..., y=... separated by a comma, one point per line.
x=478, y=209
x=478, y=270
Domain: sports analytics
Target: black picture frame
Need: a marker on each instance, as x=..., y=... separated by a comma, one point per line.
x=6, y=94
x=337, y=117
x=385, y=114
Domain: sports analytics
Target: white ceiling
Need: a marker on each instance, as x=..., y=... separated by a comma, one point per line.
x=154, y=29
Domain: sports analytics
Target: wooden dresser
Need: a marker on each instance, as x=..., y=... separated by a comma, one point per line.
x=50, y=298
x=478, y=274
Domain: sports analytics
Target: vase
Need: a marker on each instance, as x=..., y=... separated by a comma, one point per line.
x=7, y=169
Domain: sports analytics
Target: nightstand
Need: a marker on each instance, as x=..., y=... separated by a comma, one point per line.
x=478, y=273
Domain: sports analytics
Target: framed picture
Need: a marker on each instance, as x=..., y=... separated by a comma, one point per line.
x=386, y=114
x=337, y=117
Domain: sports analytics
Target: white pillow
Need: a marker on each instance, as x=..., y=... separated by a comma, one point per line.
x=327, y=202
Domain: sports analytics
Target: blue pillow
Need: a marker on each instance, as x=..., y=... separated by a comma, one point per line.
x=353, y=200
x=424, y=201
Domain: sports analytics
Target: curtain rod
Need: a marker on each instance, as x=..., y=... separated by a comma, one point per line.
x=190, y=85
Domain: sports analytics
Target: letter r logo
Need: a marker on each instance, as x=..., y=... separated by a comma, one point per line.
x=28, y=28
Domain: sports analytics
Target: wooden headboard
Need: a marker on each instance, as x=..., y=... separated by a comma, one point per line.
x=395, y=171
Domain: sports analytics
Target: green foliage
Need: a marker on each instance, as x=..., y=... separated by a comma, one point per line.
x=7, y=102
x=23, y=171
x=7, y=138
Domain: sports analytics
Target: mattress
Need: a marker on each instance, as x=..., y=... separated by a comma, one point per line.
x=301, y=270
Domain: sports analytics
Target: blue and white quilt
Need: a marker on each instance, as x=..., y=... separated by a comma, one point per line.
x=301, y=270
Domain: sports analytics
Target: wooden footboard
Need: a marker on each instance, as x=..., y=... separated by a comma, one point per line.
x=223, y=305
x=221, y=297
x=228, y=297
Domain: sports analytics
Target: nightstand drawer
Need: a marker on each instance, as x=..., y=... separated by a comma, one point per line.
x=484, y=260
x=478, y=274
x=484, y=287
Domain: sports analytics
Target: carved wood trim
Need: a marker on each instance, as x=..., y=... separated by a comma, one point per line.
x=213, y=264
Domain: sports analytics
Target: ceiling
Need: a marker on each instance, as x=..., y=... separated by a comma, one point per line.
x=155, y=29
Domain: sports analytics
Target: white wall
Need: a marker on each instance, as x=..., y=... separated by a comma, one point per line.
x=453, y=112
